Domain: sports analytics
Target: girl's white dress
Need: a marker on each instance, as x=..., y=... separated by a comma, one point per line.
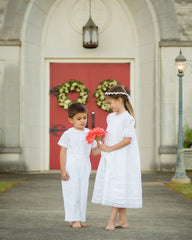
x=78, y=166
x=118, y=178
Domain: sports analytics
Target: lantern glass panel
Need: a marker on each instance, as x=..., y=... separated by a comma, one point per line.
x=180, y=67
x=94, y=36
x=86, y=36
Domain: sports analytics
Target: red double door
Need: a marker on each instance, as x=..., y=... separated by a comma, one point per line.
x=91, y=74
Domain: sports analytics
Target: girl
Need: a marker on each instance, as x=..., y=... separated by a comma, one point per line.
x=118, y=179
x=75, y=165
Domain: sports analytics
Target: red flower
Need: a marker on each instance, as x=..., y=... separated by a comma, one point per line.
x=97, y=134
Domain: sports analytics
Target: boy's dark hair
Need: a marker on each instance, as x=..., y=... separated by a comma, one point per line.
x=75, y=108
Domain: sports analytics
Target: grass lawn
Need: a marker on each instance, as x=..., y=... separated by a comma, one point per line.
x=185, y=189
x=6, y=185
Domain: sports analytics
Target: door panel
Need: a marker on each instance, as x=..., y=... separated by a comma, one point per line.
x=91, y=74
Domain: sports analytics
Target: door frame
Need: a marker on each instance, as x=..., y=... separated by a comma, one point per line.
x=46, y=122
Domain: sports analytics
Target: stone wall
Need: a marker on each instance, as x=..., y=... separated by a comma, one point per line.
x=184, y=15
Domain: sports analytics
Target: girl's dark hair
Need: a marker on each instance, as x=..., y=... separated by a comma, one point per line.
x=75, y=108
x=126, y=101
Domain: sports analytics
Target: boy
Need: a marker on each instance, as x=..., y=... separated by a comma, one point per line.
x=75, y=165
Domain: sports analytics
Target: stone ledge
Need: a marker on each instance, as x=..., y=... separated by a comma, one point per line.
x=168, y=150
x=173, y=150
x=175, y=43
x=10, y=43
x=8, y=150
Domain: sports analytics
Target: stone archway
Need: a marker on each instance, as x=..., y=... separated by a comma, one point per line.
x=10, y=9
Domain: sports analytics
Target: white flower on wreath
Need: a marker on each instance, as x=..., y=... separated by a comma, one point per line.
x=72, y=85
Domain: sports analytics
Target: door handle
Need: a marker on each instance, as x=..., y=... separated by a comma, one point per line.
x=57, y=130
x=93, y=119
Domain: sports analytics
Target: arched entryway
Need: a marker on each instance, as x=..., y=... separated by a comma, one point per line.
x=52, y=36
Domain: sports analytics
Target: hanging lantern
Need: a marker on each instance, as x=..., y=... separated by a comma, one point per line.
x=90, y=33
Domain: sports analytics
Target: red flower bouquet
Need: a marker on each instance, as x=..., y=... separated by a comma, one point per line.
x=97, y=134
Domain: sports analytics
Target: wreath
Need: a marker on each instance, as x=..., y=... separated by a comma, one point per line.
x=100, y=93
x=71, y=86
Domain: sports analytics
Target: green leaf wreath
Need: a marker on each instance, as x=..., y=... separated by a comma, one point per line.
x=100, y=93
x=72, y=86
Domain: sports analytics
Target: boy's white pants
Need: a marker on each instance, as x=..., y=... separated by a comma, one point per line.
x=75, y=192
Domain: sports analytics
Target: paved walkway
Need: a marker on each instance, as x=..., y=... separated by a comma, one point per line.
x=33, y=209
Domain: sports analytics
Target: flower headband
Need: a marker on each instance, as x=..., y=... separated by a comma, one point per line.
x=117, y=93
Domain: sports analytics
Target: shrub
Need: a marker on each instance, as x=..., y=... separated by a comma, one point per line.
x=187, y=137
